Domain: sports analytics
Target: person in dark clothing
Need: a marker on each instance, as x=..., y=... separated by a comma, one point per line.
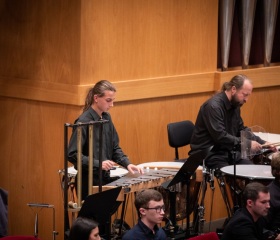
x=3, y=212
x=150, y=208
x=219, y=124
x=274, y=189
x=248, y=222
x=99, y=100
x=84, y=229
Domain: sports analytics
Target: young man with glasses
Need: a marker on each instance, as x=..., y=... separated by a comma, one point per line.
x=150, y=208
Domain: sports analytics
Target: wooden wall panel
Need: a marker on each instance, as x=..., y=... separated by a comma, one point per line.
x=32, y=154
x=161, y=55
x=132, y=39
x=263, y=109
x=32, y=146
x=40, y=41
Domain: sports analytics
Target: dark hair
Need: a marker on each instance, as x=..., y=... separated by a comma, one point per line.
x=98, y=89
x=81, y=228
x=275, y=165
x=145, y=196
x=252, y=191
x=236, y=81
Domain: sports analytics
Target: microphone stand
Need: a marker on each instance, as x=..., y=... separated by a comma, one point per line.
x=188, y=230
x=43, y=205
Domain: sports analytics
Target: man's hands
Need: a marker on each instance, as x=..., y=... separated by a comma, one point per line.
x=270, y=146
x=109, y=164
x=133, y=168
x=255, y=146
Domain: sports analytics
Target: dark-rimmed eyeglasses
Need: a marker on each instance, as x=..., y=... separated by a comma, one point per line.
x=158, y=209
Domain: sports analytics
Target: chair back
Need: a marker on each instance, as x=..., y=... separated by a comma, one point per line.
x=179, y=134
x=19, y=238
x=206, y=236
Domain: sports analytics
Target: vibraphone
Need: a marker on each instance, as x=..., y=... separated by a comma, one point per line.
x=150, y=179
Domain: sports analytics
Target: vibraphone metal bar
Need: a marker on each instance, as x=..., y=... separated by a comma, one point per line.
x=150, y=179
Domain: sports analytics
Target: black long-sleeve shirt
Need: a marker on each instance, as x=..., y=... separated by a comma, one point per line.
x=274, y=211
x=218, y=124
x=242, y=226
x=110, y=148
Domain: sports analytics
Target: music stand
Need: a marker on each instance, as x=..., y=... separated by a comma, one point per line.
x=184, y=174
x=101, y=206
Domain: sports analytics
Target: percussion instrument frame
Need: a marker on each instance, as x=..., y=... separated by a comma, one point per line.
x=79, y=125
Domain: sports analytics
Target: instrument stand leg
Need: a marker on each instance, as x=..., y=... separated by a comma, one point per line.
x=189, y=231
x=235, y=199
x=172, y=214
x=120, y=232
x=108, y=229
x=54, y=232
x=199, y=214
x=222, y=185
x=43, y=205
x=173, y=231
x=171, y=228
x=36, y=226
x=211, y=183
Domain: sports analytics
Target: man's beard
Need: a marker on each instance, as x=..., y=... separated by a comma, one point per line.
x=235, y=103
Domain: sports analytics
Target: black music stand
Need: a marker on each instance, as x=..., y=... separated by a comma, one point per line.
x=101, y=206
x=184, y=175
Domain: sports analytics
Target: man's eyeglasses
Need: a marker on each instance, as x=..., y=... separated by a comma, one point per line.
x=158, y=209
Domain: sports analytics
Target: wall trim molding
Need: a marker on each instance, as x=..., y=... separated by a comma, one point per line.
x=137, y=89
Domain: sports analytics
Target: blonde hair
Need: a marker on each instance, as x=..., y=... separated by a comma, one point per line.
x=98, y=89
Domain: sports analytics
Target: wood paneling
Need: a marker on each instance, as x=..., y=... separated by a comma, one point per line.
x=161, y=55
x=136, y=89
x=32, y=154
x=32, y=146
x=132, y=39
x=40, y=41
